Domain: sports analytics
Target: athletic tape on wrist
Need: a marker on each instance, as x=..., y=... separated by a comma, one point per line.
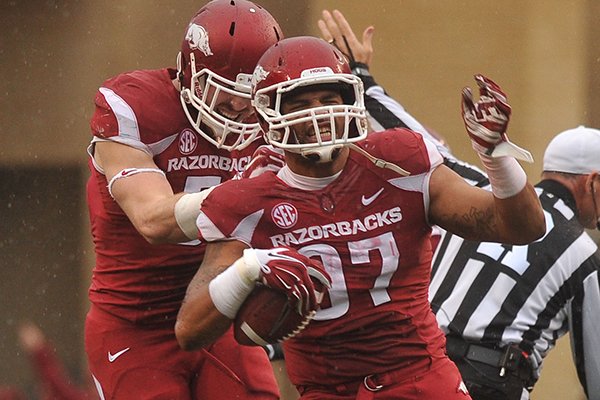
x=250, y=268
x=506, y=175
x=186, y=211
x=228, y=290
x=127, y=172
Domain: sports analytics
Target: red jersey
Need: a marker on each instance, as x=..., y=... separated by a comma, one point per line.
x=133, y=279
x=369, y=229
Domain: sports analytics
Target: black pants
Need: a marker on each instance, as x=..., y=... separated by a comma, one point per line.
x=485, y=383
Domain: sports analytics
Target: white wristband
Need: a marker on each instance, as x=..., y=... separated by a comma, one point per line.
x=229, y=289
x=505, y=174
x=187, y=209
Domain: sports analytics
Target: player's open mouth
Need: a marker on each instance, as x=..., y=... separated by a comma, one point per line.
x=232, y=116
x=324, y=133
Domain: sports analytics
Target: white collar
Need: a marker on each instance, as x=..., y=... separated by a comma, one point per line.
x=304, y=182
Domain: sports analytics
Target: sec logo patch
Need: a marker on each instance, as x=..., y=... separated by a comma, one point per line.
x=187, y=141
x=284, y=215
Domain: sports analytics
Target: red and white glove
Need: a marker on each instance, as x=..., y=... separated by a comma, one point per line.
x=265, y=158
x=486, y=121
x=303, y=279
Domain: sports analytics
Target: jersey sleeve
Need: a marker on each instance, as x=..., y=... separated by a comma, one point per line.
x=115, y=120
x=238, y=220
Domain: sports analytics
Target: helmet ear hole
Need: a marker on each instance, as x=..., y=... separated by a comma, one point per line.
x=276, y=135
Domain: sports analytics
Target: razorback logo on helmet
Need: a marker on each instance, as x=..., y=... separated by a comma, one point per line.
x=316, y=72
x=197, y=37
x=261, y=100
x=187, y=141
x=284, y=215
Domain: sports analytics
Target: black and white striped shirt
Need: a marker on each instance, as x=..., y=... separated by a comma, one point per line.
x=529, y=295
x=501, y=294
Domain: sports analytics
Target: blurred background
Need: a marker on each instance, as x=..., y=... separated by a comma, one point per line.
x=54, y=54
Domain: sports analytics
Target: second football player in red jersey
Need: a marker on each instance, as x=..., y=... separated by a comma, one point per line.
x=159, y=137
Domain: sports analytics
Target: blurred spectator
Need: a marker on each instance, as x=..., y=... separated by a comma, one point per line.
x=53, y=381
x=11, y=393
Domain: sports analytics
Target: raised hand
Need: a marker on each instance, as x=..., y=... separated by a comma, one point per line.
x=303, y=280
x=487, y=120
x=336, y=30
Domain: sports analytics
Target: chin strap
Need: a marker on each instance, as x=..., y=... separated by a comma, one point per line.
x=321, y=154
x=378, y=161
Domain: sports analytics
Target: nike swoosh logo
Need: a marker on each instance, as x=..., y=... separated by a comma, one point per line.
x=113, y=357
x=126, y=172
x=368, y=200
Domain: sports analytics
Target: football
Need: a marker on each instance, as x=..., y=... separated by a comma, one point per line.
x=266, y=317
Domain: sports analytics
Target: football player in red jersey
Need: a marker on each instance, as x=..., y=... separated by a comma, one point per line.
x=364, y=208
x=158, y=134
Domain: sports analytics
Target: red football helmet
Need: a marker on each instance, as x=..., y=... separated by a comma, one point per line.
x=222, y=45
x=302, y=62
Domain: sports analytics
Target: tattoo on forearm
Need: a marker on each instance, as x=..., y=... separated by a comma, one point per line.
x=476, y=223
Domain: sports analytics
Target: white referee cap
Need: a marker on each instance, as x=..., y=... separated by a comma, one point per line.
x=574, y=151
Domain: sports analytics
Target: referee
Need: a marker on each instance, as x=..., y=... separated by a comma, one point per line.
x=503, y=307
